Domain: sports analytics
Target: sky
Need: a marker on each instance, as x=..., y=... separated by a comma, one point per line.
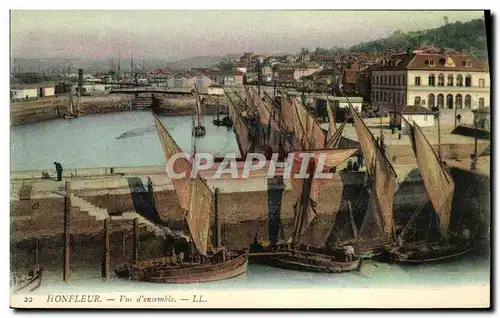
x=182, y=34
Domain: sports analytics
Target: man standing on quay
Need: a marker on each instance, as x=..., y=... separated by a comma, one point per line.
x=59, y=170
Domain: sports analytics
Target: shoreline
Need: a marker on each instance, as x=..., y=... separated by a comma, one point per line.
x=34, y=111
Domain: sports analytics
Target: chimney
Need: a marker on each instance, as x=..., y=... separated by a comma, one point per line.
x=409, y=51
x=80, y=79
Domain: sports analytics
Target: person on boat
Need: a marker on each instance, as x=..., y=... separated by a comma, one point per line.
x=349, y=165
x=355, y=166
x=359, y=157
x=59, y=170
x=349, y=251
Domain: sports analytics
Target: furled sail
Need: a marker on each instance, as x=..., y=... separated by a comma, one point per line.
x=313, y=134
x=240, y=127
x=334, y=141
x=380, y=171
x=181, y=165
x=306, y=191
x=195, y=198
x=332, y=126
x=437, y=179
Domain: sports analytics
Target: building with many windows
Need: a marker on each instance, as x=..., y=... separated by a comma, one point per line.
x=431, y=79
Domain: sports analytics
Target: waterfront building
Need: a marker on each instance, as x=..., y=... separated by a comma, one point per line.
x=427, y=78
x=31, y=91
x=423, y=116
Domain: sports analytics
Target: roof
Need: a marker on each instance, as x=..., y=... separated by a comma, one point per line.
x=421, y=61
x=28, y=86
x=159, y=71
x=484, y=110
x=416, y=109
x=326, y=72
x=349, y=76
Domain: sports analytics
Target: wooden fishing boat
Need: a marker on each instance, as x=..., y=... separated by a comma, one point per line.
x=440, y=186
x=203, y=262
x=28, y=284
x=308, y=249
x=199, y=129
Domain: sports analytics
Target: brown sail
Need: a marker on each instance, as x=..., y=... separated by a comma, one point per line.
x=437, y=179
x=181, y=165
x=312, y=129
x=198, y=217
x=379, y=169
x=306, y=193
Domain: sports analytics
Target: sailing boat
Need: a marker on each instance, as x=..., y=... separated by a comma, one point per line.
x=71, y=111
x=224, y=121
x=440, y=187
x=308, y=248
x=199, y=129
x=376, y=230
x=205, y=262
x=32, y=281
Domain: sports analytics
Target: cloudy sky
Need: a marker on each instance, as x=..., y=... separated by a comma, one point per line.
x=179, y=34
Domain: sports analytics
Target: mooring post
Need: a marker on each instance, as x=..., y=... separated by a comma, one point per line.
x=67, y=244
x=124, y=243
x=107, y=249
x=218, y=221
x=136, y=239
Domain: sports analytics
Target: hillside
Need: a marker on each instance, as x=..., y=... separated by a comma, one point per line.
x=467, y=37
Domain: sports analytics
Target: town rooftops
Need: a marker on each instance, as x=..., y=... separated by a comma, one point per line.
x=28, y=86
x=160, y=71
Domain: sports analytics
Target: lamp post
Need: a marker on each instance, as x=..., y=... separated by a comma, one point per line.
x=437, y=115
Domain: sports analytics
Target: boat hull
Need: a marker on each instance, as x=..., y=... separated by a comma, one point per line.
x=29, y=285
x=165, y=271
x=426, y=254
x=316, y=260
x=312, y=262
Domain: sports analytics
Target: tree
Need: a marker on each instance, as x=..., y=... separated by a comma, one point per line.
x=226, y=64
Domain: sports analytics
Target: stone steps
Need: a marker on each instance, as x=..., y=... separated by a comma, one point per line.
x=99, y=214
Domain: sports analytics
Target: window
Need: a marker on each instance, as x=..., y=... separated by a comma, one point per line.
x=432, y=80
x=404, y=80
x=399, y=80
x=481, y=82
x=481, y=102
x=417, y=100
x=449, y=101
x=460, y=80
x=409, y=117
x=390, y=80
x=450, y=80
x=467, y=63
x=393, y=97
x=385, y=80
x=441, y=80
x=385, y=96
x=468, y=101
x=458, y=101
x=468, y=81
x=440, y=101
x=432, y=100
x=417, y=81
x=431, y=62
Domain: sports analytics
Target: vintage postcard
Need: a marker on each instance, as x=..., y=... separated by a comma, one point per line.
x=250, y=159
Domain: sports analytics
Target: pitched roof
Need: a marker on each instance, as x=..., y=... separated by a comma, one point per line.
x=349, y=76
x=416, y=110
x=422, y=61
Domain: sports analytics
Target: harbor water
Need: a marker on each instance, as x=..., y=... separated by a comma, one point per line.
x=109, y=140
